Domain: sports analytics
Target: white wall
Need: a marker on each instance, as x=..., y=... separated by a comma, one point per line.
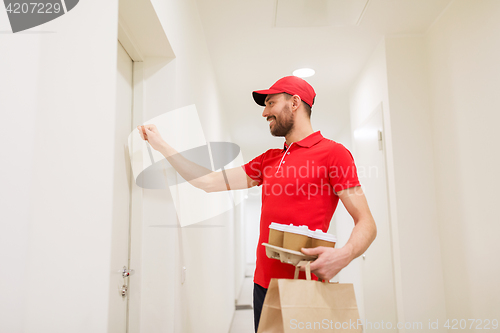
x=366, y=94
x=253, y=206
x=341, y=226
x=57, y=102
x=395, y=76
x=440, y=97
x=463, y=49
x=421, y=267
x=205, y=301
x=57, y=97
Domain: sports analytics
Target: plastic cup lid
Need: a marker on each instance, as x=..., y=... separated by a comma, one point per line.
x=300, y=230
x=277, y=226
x=319, y=234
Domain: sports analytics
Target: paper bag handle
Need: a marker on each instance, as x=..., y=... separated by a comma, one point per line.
x=307, y=264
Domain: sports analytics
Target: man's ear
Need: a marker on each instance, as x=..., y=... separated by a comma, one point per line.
x=296, y=102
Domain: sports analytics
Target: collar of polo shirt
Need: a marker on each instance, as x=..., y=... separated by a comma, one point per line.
x=308, y=141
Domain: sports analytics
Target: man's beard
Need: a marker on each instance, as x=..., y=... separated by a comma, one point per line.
x=283, y=123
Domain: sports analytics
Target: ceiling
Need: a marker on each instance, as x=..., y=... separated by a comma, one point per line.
x=253, y=43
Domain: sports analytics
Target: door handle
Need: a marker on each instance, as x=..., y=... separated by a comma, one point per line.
x=126, y=272
x=124, y=290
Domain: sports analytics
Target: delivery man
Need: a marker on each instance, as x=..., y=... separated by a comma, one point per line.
x=301, y=183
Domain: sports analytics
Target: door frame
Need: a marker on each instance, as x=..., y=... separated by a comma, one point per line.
x=126, y=39
x=141, y=34
x=391, y=201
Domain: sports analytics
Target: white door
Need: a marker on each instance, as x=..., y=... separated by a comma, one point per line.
x=118, y=303
x=377, y=266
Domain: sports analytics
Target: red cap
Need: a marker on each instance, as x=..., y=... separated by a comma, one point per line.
x=292, y=85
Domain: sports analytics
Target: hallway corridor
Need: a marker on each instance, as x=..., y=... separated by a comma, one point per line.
x=243, y=315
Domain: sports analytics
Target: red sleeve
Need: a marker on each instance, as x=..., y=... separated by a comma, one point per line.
x=342, y=173
x=254, y=168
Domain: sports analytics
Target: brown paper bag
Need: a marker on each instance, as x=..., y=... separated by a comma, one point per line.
x=309, y=306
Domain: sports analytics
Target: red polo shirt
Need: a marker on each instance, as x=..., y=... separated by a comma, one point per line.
x=299, y=185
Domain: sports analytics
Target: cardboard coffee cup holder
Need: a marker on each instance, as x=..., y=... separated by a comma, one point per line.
x=286, y=256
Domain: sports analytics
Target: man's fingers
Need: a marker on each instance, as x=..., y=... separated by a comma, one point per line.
x=316, y=264
x=313, y=265
x=143, y=131
x=313, y=251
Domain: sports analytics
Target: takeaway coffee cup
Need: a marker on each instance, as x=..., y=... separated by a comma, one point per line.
x=276, y=233
x=296, y=237
x=320, y=238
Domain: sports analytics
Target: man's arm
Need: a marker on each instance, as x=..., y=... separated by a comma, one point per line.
x=196, y=175
x=331, y=260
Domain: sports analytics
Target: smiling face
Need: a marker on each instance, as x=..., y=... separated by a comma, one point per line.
x=278, y=112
